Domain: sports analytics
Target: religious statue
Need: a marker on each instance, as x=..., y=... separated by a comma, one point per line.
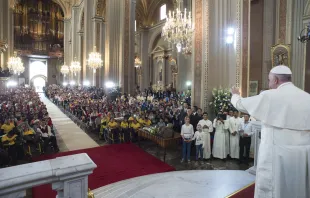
x=280, y=55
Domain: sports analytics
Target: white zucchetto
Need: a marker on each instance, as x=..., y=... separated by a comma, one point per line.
x=281, y=69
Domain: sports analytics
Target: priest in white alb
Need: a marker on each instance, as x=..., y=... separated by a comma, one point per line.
x=234, y=125
x=207, y=128
x=283, y=169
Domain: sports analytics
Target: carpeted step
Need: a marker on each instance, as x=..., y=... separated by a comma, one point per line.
x=115, y=163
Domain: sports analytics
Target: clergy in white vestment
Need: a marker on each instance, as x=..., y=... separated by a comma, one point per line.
x=220, y=146
x=284, y=153
x=207, y=128
x=234, y=125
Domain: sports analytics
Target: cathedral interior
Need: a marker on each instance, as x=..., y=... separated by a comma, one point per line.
x=232, y=43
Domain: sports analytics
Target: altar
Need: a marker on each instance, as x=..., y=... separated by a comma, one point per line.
x=257, y=125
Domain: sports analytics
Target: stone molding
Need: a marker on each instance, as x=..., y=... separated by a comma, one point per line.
x=58, y=171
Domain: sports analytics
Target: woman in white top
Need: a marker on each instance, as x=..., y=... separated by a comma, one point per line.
x=187, y=132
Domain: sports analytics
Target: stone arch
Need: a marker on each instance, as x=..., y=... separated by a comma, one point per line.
x=63, y=7
x=38, y=76
x=307, y=9
x=153, y=38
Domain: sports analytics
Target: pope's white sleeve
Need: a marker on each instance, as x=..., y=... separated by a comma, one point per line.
x=236, y=100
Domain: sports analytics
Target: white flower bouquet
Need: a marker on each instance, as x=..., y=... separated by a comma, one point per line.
x=221, y=100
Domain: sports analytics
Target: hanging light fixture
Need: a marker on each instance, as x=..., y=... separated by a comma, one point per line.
x=138, y=62
x=65, y=69
x=75, y=66
x=16, y=65
x=94, y=61
x=178, y=29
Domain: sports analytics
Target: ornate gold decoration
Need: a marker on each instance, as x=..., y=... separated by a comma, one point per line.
x=281, y=55
x=3, y=46
x=90, y=194
x=238, y=45
x=231, y=195
x=101, y=8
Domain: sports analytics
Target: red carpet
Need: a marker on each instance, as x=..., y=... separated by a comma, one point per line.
x=247, y=192
x=115, y=163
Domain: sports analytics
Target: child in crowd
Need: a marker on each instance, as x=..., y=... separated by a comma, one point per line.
x=187, y=132
x=199, y=142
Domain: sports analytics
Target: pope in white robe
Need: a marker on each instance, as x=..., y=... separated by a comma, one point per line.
x=207, y=128
x=234, y=125
x=220, y=146
x=284, y=155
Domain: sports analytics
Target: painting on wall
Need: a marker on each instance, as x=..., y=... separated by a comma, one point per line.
x=253, y=91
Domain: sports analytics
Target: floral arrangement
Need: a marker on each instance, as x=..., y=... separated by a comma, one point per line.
x=221, y=100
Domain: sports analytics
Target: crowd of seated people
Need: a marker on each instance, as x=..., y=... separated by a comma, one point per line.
x=25, y=126
x=100, y=113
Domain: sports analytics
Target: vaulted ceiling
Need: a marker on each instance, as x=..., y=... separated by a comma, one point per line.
x=146, y=10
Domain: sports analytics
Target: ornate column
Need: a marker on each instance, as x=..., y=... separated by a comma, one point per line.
x=197, y=61
x=6, y=30
x=80, y=55
x=268, y=39
x=297, y=48
x=119, y=55
x=67, y=41
x=88, y=38
x=246, y=14
x=74, y=32
x=98, y=35
x=144, y=40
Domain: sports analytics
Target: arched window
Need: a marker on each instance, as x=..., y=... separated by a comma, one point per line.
x=163, y=12
x=135, y=25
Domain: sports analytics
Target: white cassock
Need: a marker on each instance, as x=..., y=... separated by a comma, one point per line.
x=206, y=137
x=220, y=146
x=234, y=125
x=284, y=154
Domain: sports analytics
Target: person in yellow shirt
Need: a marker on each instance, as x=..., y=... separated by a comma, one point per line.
x=114, y=132
x=15, y=150
x=112, y=124
x=134, y=126
x=30, y=136
x=7, y=126
x=124, y=135
x=103, y=128
x=147, y=121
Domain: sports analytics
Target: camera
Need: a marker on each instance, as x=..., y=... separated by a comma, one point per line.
x=304, y=35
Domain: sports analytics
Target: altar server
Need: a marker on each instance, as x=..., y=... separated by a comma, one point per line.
x=234, y=124
x=220, y=146
x=283, y=159
x=207, y=128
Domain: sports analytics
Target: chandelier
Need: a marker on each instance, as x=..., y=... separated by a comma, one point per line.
x=94, y=62
x=138, y=62
x=15, y=64
x=178, y=29
x=75, y=66
x=64, y=70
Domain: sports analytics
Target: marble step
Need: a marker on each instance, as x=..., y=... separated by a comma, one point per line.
x=120, y=188
x=204, y=183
